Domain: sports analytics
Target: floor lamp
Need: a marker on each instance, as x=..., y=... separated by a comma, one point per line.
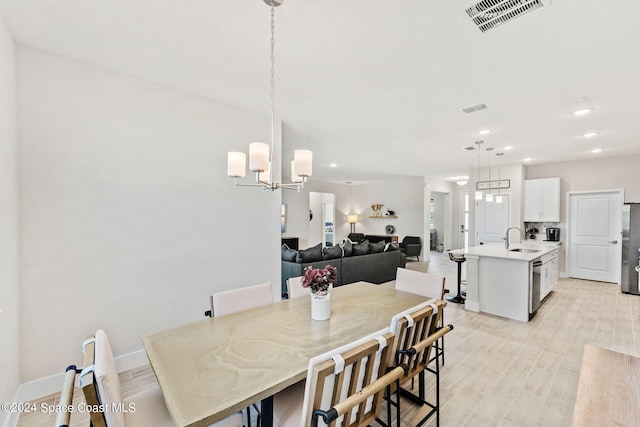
x=352, y=219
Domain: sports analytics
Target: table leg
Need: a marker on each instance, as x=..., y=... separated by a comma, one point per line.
x=267, y=411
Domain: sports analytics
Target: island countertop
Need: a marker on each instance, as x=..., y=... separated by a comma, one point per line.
x=499, y=251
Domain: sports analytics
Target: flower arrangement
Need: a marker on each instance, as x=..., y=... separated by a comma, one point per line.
x=319, y=279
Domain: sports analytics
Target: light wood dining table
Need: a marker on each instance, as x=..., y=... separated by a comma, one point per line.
x=212, y=368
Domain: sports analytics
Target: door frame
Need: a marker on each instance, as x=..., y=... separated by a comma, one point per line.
x=567, y=255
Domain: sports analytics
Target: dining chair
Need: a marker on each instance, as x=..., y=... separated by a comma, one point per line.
x=240, y=299
x=428, y=285
x=101, y=388
x=65, y=401
x=295, y=289
x=344, y=387
x=416, y=330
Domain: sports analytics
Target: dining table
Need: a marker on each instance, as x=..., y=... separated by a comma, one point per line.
x=211, y=368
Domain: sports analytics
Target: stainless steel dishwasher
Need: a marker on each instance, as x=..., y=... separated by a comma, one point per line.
x=535, y=267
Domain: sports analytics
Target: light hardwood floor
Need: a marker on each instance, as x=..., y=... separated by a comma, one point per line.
x=501, y=372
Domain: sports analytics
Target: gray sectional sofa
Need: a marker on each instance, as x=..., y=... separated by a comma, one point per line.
x=353, y=262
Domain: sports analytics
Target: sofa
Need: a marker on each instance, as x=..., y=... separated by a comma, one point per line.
x=364, y=261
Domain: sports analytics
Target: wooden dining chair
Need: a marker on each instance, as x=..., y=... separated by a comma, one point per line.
x=65, y=401
x=416, y=331
x=344, y=387
x=428, y=285
x=101, y=388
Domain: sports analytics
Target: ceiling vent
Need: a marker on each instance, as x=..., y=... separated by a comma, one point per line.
x=475, y=108
x=489, y=14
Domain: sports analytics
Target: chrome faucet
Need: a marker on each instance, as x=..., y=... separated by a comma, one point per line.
x=506, y=239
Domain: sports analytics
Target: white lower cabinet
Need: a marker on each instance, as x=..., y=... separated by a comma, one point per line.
x=548, y=274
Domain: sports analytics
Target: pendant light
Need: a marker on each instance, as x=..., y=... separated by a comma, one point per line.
x=478, y=192
x=489, y=196
x=262, y=160
x=499, y=196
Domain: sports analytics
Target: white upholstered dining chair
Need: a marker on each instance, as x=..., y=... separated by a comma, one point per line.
x=295, y=289
x=345, y=385
x=240, y=299
x=101, y=388
x=427, y=285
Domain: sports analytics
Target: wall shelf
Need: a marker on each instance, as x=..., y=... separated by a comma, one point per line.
x=384, y=217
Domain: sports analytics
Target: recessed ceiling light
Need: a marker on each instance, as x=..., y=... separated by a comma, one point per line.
x=333, y=165
x=508, y=147
x=590, y=134
x=484, y=131
x=582, y=111
x=528, y=159
x=596, y=150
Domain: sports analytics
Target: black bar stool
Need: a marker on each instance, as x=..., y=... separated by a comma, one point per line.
x=458, y=258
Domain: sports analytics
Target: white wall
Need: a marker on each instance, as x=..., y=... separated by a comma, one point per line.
x=404, y=196
x=9, y=275
x=128, y=221
x=596, y=174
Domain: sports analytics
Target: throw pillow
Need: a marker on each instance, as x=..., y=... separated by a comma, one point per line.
x=361, y=248
x=375, y=248
x=289, y=254
x=347, y=247
x=391, y=246
x=311, y=254
x=332, y=252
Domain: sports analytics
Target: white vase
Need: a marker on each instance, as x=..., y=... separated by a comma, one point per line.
x=320, y=306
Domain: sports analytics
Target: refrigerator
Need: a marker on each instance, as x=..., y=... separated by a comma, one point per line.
x=630, y=245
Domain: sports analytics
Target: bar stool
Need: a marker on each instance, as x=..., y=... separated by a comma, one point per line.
x=458, y=258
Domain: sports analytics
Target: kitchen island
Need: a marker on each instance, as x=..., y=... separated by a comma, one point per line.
x=509, y=282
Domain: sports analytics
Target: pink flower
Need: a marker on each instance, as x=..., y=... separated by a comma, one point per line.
x=319, y=279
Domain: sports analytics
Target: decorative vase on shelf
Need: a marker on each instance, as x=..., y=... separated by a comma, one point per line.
x=320, y=306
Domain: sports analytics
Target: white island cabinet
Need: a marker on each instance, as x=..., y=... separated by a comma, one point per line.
x=499, y=281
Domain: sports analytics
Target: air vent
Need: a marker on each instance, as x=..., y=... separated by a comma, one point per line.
x=475, y=108
x=490, y=14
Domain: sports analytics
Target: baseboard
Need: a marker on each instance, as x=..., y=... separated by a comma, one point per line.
x=53, y=384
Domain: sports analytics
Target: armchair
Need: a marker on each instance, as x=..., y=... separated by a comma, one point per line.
x=411, y=246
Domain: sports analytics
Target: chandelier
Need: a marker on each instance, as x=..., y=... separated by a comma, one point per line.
x=262, y=160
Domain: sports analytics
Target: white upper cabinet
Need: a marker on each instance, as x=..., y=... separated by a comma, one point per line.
x=542, y=200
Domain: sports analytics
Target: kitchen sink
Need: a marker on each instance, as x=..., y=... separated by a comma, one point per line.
x=523, y=250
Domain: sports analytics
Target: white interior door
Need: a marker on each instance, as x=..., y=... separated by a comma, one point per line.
x=595, y=234
x=492, y=220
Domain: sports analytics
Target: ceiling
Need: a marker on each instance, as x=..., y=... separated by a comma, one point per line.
x=372, y=85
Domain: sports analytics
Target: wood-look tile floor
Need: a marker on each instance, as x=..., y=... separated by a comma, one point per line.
x=499, y=372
